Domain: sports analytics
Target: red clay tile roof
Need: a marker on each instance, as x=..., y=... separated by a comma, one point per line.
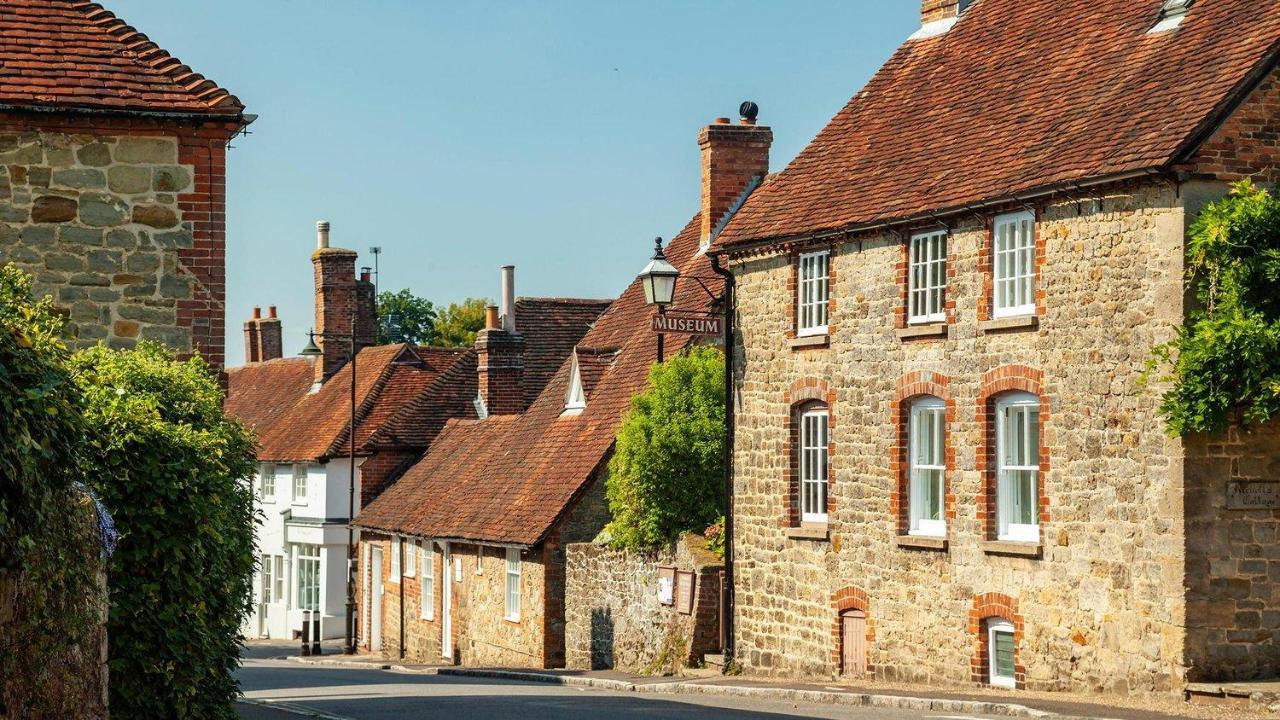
x=1019, y=96
x=259, y=394
x=507, y=479
x=67, y=54
x=551, y=327
x=593, y=363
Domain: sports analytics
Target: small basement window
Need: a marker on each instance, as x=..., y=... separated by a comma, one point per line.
x=1000, y=653
x=1171, y=14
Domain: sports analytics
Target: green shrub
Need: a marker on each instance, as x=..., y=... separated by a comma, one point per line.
x=49, y=550
x=171, y=468
x=1226, y=359
x=666, y=475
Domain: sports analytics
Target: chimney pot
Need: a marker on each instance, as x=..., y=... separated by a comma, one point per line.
x=366, y=275
x=507, y=312
x=322, y=234
x=257, y=312
x=271, y=311
x=491, y=317
x=721, y=121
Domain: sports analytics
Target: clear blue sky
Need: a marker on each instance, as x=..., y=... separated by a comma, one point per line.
x=461, y=136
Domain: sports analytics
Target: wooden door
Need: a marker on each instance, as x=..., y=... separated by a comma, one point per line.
x=853, y=643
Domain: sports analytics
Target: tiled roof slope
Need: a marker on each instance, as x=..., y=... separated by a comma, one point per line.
x=507, y=479
x=1019, y=96
x=66, y=54
x=550, y=326
x=259, y=394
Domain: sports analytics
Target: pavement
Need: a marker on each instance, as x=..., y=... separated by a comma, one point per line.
x=279, y=684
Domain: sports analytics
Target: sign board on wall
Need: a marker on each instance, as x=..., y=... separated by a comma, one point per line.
x=666, y=585
x=1253, y=495
x=687, y=324
x=684, y=592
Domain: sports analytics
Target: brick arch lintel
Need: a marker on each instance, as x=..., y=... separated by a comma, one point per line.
x=922, y=382
x=987, y=606
x=850, y=598
x=808, y=389
x=1007, y=378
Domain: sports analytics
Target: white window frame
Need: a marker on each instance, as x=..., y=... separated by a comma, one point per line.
x=1013, y=265
x=1001, y=626
x=395, y=559
x=512, y=590
x=308, y=569
x=281, y=575
x=1007, y=503
x=410, y=555
x=927, y=278
x=813, y=293
x=427, y=596
x=299, y=483
x=815, y=464
x=576, y=398
x=927, y=424
x=479, y=559
x=267, y=481
x=266, y=583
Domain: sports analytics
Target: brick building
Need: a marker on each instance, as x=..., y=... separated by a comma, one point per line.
x=301, y=406
x=479, y=526
x=113, y=177
x=947, y=466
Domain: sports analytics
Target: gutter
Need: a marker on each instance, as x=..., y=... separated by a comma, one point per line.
x=244, y=118
x=880, y=224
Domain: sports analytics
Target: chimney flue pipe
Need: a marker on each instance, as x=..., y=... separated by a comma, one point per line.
x=322, y=234
x=508, y=307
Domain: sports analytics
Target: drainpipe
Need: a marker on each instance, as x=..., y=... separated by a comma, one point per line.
x=728, y=299
x=401, y=544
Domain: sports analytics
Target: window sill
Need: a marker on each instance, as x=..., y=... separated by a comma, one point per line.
x=513, y=621
x=1011, y=547
x=809, y=341
x=921, y=542
x=923, y=331
x=808, y=532
x=1020, y=322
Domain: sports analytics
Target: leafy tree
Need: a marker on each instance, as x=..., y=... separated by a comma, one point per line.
x=1227, y=357
x=49, y=550
x=457, y=325
x=667, y=471
x=405, y=318
x=172, y=469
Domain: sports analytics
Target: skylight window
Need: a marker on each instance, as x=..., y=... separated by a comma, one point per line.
x=1171, y=14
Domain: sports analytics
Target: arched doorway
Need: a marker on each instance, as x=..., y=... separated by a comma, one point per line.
x=853, y=643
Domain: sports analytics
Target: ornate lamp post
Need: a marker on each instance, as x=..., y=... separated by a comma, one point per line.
x=659, y=279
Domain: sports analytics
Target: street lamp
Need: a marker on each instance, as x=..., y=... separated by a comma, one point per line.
x=659, y=280
x=313, y=350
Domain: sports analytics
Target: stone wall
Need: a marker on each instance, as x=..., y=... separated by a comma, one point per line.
x=123, y=223
x=1098, y=598
x=1233, y=557
x=615, y=620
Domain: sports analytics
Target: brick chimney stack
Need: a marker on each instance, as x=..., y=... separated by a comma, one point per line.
x=270, y=344
x=340, y=297
x=734, y=158
x=934, y=10
x=252, y=349
x=500, y=354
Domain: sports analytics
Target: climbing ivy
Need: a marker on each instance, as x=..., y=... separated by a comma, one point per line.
x=1226, y=359
x=172, y=469
x=49, y=552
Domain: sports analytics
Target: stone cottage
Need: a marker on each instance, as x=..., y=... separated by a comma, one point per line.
x=463, y=559
x=113, y=177
x=947, y=466
x=300, y=407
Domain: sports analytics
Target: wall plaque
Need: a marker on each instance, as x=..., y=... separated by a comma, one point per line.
x=1252, y=495
x=666, y=585
x=684, y=592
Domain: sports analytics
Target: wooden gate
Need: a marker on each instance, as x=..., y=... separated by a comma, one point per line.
x=853, y=643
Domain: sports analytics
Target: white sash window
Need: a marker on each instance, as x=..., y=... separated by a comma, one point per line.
x=1013, y=265
x=927, y=278
x=1018, y=467
x=926, y=453
x=813, y=294
x=814, y=465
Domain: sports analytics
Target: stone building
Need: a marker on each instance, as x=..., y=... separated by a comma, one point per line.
x=301, y=408
x=479, y=526
x=113, y=177
x=948, y=468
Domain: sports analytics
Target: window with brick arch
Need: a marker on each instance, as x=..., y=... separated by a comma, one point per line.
x=926, y=453
x=1017, y=434
x=814, y=464
x=1000, y=653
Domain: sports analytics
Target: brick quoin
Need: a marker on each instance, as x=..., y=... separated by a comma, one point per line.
x=987, y=607
x=996, y=382
x=912, y=386
x=850, y=598
x=804, y=395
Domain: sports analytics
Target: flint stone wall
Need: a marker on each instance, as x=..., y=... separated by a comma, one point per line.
x=613, y=618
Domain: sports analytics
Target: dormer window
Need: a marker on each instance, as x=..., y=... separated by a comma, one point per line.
x=964, y=5
x=576, y=399
x=1171, y=14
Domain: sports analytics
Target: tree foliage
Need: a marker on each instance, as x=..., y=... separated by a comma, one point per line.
x=405, y=318
x=457, y=325
x=171, y=467
x=666, y=475
x=48, y=543
x=1226, y=358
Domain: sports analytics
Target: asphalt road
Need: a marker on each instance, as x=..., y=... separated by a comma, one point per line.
x=358, y=694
